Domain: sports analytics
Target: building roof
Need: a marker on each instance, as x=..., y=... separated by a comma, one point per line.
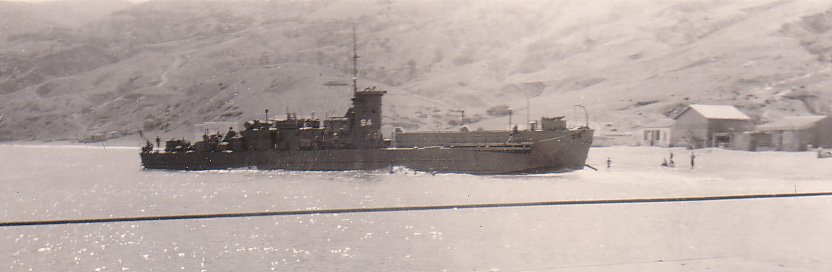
x=716, y=112
x=661, y=123
x=791, y=123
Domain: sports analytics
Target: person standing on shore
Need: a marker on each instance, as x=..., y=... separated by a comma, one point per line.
x=692, y=160
x=671, y=163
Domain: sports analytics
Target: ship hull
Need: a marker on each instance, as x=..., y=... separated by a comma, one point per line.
x=561, y=154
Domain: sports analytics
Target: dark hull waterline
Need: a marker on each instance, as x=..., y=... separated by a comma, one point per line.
x=560, y=154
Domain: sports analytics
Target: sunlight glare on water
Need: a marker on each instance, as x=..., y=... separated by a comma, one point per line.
x=48, y=182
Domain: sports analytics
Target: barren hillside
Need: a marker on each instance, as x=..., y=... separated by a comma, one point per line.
x=161, y=66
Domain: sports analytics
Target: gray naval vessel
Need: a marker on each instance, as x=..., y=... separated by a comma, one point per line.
x=354, y=142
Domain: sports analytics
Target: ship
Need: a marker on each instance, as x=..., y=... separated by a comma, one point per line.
x=354, y=142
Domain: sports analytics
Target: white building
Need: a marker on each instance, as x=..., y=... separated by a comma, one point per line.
x=656, y=133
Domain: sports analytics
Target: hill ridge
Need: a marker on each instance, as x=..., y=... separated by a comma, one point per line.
x=162, y=66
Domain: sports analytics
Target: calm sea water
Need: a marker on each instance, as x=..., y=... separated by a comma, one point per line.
x=48, y=182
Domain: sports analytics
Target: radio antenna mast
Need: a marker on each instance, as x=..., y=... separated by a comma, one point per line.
x=528, y=112
x=354, y=61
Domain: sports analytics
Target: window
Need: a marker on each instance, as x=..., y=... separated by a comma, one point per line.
x=652, y=134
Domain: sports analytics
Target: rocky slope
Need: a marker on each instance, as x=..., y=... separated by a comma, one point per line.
x=161, y=66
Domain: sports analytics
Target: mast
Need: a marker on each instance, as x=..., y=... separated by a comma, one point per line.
x=528, y=112
x=354, y=61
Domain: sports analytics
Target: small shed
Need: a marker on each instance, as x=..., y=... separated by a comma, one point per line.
x=656, y=133
x=700, y=126
x=796, y=133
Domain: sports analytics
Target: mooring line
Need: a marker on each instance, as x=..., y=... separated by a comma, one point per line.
x=406, y=208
